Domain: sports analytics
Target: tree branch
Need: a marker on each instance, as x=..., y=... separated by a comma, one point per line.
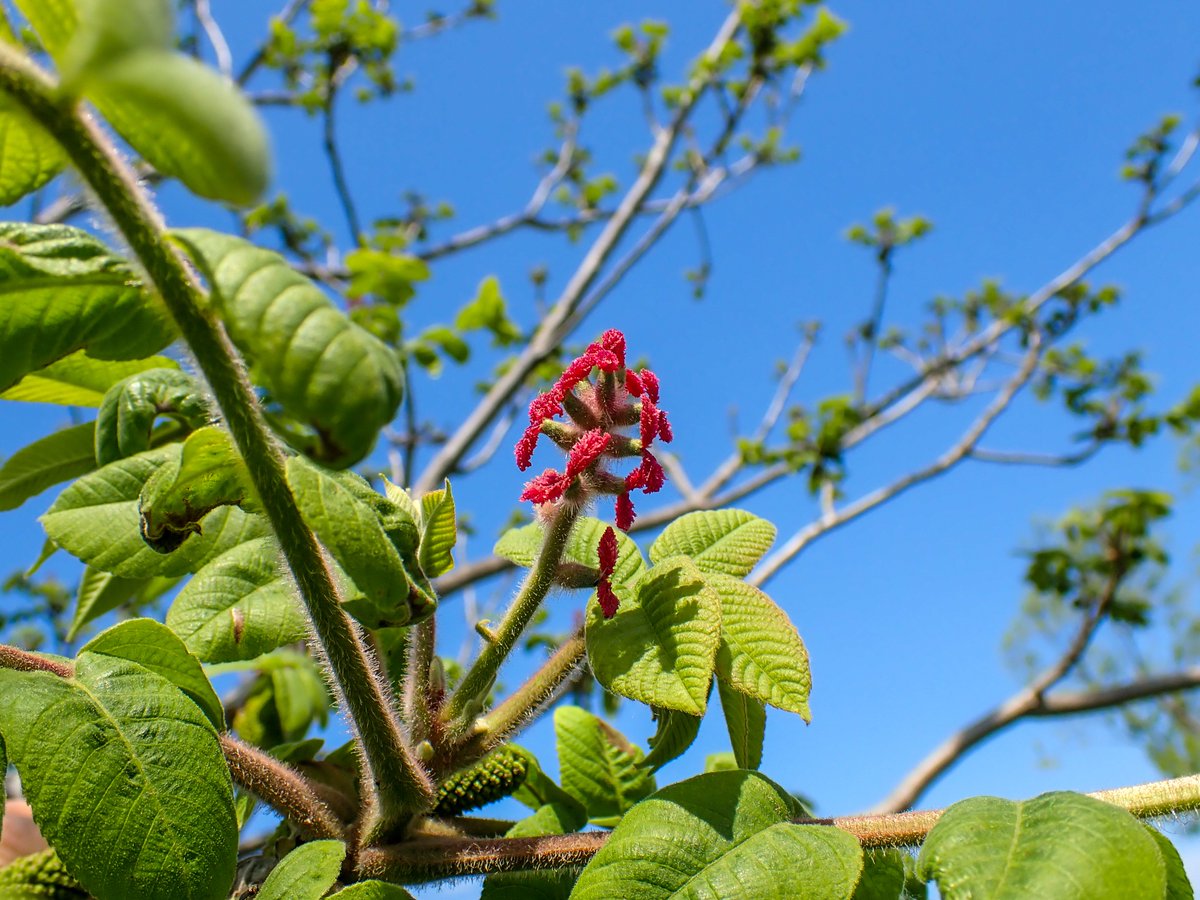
x=562, y=316
x=1019, y=705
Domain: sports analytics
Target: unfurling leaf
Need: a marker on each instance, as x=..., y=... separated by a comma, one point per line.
x=79, y=380
x=675, y=732
x=746, y=722
x=324, y=370
x=599, y=767
x=174, y=499
x=439, y=532
x=130, y=407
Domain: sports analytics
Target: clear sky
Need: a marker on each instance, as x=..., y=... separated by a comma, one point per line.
x=1004, y=123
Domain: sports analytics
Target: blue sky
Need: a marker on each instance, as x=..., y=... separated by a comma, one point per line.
x=1002, y=122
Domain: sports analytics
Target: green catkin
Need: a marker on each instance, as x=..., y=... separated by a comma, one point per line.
x=40, y=876
x=497, y=775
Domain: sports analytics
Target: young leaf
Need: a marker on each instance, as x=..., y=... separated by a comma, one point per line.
x=147, y=810
x=727, y=541
x=1178, y=885
x=1056, y=845
x=31, y=157
x=372, y=890
x=761, y=653
x=96, y=520
x=53, y=20
x=675, y=732
x=110, y=30
x=599, y=766
x=522, y=545
x=79, y=380
x=352, y=532
x=540, y=790
x=55, y=458
x=661, y=645
x=321, y=367
x=746, y=721
x=300, y=695
x=100, y=592
x=882, y=877
x=155, y=646
x=130, y=407
x=439, y=532
x=62, y=290
x=307, y=873
x=238, y=606
x=724, y=834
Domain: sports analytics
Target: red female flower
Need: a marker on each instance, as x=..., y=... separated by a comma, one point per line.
x=627, y=398
x=607, y=551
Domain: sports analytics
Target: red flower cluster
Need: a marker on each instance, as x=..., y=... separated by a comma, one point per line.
x=597, y=411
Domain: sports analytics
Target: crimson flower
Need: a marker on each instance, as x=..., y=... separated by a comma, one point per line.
x=597, y=411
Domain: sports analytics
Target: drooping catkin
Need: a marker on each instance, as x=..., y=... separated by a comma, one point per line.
x=40, y=875
x=497, y=775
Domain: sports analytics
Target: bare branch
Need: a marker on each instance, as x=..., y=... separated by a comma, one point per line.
x=213, y=32
x=829, y=521
x=1014, y=458
x=1019, y=705
x=1066, y=703
x=562, y=316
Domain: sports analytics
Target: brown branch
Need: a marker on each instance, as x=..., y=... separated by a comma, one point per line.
x=438, y=858
x=1023, y=703
x=24, y=661
x=1066, y=703
x=282, y=788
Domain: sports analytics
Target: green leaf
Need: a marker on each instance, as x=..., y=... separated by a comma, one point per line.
x=522, y=545
x=728, y=541
x=185, y=119
x=110, y=30
x=720, y=835
x=599, y=767
x=239, y=606
x=62, y=290
x=661, y=645
x=300, y=695
x=323, y=369
x=353, y=534
x=306, y=873
x=53, y=20
x=675, y=732
x=882, y=876
x=154, y=646
x=96, y=520
x=761, y=653
x=544, y=885
x=1056, y=845
x=31, y=157
x=101, y=592
x=746, y=721
x=79, y=380
x=540, y=790
x=175, y=499
x=147, y=808
x=1178, y=885
x=439, y=532
x=372, y=890
x=130, y=407
x=488, y=310
x=58, y=457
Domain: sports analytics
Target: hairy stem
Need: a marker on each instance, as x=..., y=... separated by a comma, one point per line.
x=392, y=776
x=521, y=707
x=466, y=702
x=434, y=859
x=281, y=787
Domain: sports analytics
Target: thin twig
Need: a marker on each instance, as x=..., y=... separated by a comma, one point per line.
x=556, y=324
x=213, y=32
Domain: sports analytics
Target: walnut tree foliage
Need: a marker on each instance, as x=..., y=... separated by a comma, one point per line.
x=242, y=496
